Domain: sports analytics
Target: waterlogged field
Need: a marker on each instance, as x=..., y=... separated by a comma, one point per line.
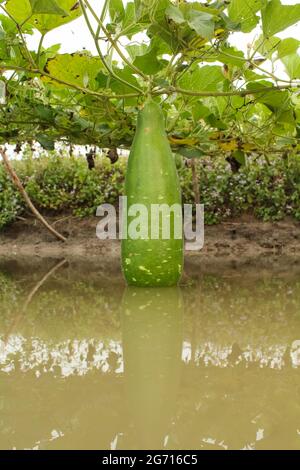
x=86, y=363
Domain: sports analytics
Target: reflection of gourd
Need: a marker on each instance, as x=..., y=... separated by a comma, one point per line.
x=152, y=342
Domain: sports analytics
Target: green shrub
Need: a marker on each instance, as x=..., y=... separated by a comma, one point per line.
x=62, y=184
x=10, y=200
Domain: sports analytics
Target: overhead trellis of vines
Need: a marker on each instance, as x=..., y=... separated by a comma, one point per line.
x=216, y=97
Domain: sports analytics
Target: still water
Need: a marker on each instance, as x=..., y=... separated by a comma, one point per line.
x=86, y=363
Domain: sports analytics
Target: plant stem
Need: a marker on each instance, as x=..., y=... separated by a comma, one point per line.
x=114, y=43
x=225, y=93
x=19, y=186
x=103, y=60
x=19, y=28
x=83, y=90
x=40, y=48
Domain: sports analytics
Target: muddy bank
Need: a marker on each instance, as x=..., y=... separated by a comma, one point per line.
x=232, y=245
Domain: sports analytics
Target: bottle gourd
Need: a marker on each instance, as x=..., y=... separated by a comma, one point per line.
x=151, y=179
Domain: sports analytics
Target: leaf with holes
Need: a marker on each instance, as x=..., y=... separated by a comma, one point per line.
x=21, y=11
x=77, y=69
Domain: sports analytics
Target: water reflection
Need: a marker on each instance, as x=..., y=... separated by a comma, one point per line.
x=152, y=345
x=84, y=364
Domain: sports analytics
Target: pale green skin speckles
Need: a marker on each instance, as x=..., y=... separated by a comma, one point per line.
x=152, y=179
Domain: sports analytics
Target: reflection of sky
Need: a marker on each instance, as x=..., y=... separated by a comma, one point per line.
x=78, y=357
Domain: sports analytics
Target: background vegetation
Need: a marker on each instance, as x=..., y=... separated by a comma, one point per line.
x=59, y=185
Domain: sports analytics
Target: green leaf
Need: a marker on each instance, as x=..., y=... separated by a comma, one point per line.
x=189, y=152
x=240, y=157
x=231, y=56
x=277, y=17
x=45, y=113
x=274, y=99
x=47, y=6
x=135, y=50
x=149, y=62
x=129, y=23
x=200, y=111
x=244, y=12
x=202, y=23
x=288, y=46
x=143, y=8
x=21, y=11
x=116, y=10
x=48, y=53
x=207, y=78
x=292, y=65
x=267, y=47
x=104, y=81
x=77, y=69
x=175, y=14
x=46, y=142
x=215, y=121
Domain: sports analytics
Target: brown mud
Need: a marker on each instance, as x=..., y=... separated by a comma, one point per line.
x=234, y=245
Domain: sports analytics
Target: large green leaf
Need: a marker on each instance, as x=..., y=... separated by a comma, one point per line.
x=202, y=23
x=198, y=21
x=143, y=8
x=207, y=78
x=149, y=62
x=112, y=84
x=175, y=14
x=116, y=10
x=275, y=100
x=292, y=65
x=277, y=17
x=129, y=24
x=288, y=46
x=244, y=12
x=47, y=6
x=231, y=56
x=267, y=46
x=77, y=69
x=21, y=11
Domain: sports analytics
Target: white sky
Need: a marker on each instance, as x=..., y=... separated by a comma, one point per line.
x=75, y=36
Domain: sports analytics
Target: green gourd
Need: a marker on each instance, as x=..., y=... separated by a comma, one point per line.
x=152, y=179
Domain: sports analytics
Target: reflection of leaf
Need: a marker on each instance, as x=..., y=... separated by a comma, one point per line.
x=21, y=11
x=76, y=68
x=277, y=17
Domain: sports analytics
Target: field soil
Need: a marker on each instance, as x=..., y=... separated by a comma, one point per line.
x=237, y=244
